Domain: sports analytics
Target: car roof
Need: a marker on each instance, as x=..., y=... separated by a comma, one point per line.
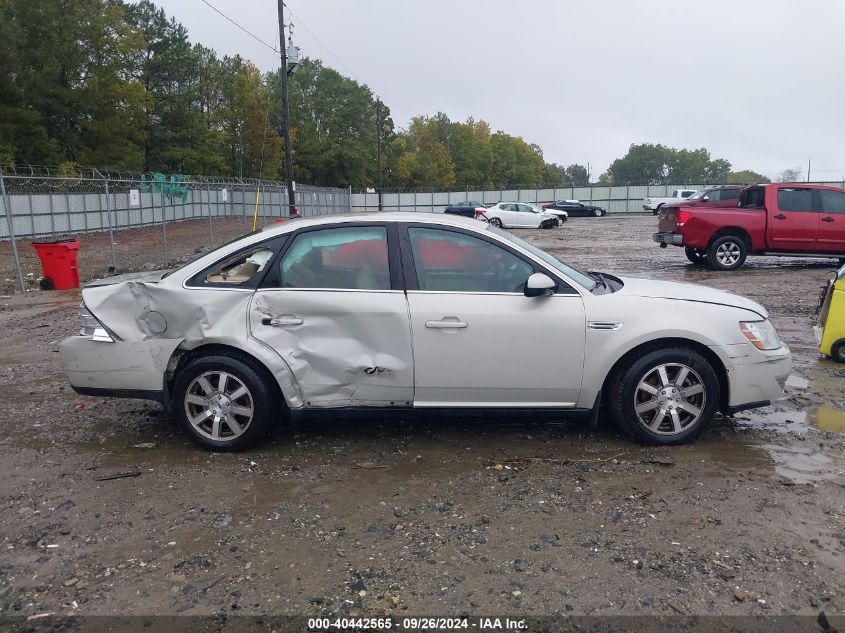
x=376, y=216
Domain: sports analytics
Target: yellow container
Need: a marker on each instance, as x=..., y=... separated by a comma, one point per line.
x=831, y=330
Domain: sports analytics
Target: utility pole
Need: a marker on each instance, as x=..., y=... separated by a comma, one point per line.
x=378, y=152
x=286, y=111
x=808, y=170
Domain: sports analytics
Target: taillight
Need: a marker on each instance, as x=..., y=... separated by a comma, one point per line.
x=545, y=206
x=478, y=212
x=683, y=217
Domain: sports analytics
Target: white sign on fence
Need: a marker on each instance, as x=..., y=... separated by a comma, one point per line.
x=224, y=195
x=134, y=198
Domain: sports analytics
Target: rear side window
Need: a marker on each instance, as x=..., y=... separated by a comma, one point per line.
x=752, y=197
x=715, y=195
x=795, y=199
x=353, y=258
x=832, y=201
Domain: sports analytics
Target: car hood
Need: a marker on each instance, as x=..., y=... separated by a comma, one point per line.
x=150, y=276
x=637, y=287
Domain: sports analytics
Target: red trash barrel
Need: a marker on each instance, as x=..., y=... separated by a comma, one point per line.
x=59, y=263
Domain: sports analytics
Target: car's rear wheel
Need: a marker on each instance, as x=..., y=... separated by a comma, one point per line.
x=225, y=403
x=837, y=351
x=695, y=256
x=667, y=396
x=496, y=222
x=727, y=252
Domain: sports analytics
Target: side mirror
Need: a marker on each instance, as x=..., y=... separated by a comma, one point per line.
x=705, y=198
x=539, y=285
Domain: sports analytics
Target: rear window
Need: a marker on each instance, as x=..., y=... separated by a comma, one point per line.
x=795, y=199
x=752, y=197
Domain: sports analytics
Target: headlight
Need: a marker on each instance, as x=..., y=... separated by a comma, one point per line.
x=89, y=326
x=762, y=334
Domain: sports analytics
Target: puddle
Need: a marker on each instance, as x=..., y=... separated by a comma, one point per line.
x=828, y=419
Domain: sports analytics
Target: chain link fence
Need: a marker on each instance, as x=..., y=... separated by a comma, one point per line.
x=134, y=222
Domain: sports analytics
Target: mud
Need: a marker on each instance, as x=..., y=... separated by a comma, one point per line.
x=439, y=514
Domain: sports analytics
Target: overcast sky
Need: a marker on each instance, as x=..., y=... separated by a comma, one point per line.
x=759, y=82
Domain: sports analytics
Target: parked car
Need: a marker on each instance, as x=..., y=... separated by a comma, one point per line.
x=830, y=332
x=725, y=196
x=521, y=215
x=466, y=208
x=796, y=220
x=654, y=204
x=403, y=310
x=575, y=207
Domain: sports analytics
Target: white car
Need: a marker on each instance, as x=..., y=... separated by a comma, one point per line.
x=521, y=215
x=423, y=311
x=655, y=204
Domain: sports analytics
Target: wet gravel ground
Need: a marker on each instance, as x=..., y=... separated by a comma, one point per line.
x=437, y=515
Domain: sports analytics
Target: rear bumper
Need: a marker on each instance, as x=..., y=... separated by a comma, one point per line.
x=675, y=239
x=117, y=369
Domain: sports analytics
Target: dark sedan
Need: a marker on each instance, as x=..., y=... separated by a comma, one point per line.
x=574, y=207
x=466, y=208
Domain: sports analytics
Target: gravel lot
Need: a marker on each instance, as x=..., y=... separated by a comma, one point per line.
x=428, y=515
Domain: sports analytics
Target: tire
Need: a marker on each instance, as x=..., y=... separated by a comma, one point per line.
x=243, y=420
x=46, y=283
x=727, y=252
x=646, y=376
x=695, y=256
x=657, y=210
x=496, y=222
x=598, y=213
x=837, y=351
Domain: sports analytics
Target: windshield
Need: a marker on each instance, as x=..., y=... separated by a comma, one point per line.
x=576, y=275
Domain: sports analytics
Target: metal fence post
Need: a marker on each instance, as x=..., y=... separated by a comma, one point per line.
x=210, y=223
x=108, y=217
x=7, y=208
x=164, y=225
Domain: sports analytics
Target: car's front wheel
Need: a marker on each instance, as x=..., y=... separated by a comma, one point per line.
x=667, y=396
x=598, y=213
x=496, y=222
x=224, y=403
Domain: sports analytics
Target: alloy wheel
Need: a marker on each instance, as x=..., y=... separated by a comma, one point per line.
x=728, y=253
x=669, y=398
x=219, y=406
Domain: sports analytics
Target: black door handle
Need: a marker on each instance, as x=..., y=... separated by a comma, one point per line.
x=780, y=216
x=827, y=219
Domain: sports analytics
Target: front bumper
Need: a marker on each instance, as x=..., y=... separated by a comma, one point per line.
x=756, y=377
x=133, y=369
x=675, y=239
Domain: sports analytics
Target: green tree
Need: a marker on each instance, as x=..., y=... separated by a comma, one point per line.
x=644, y=164
x=744, y=177
x=577, y=176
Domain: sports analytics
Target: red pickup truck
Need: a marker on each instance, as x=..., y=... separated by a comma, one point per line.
x=796, y=220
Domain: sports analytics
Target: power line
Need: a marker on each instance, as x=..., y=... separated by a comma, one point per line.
x=338, y=59
x=252, y=35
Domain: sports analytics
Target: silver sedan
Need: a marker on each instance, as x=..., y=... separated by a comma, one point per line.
x=423, y=311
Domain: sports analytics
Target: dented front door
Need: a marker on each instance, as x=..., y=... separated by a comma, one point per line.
x=336, y=315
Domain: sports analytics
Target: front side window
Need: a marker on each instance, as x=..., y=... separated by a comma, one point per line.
x=351, y=258
x=714, y=196
x=447, y=261
x=832, y=201
x=795, y=199
x=730, y=194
